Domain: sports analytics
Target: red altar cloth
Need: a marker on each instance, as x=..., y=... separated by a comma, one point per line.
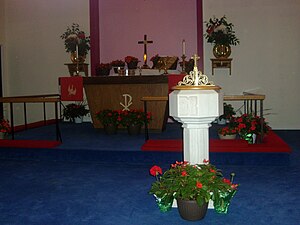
x=71, y=88
x=173, y=79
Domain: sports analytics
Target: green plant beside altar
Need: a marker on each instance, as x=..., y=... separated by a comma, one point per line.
x=75, y=38
x=228, y=112
x=75, y=110
x=201, y=183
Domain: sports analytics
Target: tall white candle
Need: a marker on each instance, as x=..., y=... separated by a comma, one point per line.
x=77, y=54
x=183, y=47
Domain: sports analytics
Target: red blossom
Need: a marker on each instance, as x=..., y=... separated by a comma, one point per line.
x=199, y=185
x=155, y=170
x=227, y=181
x=184, y=173
x=212, y=170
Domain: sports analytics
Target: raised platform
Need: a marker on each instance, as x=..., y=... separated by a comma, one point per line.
x=81, y=142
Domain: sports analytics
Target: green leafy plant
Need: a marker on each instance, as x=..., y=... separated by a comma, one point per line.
x=109, y=117
x=73, y=36
x=228, y=112
x=200, y=182
x=219, y=31
x=134, y=117
x=73, y=110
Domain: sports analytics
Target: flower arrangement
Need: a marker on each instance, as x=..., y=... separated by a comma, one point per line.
x=228, y=130
x=219, y=31
x=117, y=63
x=109, y=117
x=75, y=37
x=131, y=62
x=250, y=124
x=201, y=182
x=135, y=117
x=4, y=126
x=103, y=69
x=73, y=110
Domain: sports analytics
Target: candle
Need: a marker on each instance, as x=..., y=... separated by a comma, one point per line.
x=145, y=58
x=77, y=52
x=183, y=47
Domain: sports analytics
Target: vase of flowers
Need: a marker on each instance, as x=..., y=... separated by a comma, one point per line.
x=134, y=119
x=76, y=42
x=198, y=183
x=103, y=69
x=227, y=133
x=249, y=126
x=5, y=128
x=75, y=110
x=131, y=62
x=110, y=120
x=220, y=33
x=117, y=65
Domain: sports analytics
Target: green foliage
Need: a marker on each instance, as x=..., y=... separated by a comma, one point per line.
x=74, y=36
x=74, y=110
x=219, y=31
x=108, y=116
x=200, y=182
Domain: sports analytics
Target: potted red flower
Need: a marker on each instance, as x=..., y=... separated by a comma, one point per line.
x=103, y=69
x=131, y=62
x=110, y=120
x=134, y=120
x=227, y=132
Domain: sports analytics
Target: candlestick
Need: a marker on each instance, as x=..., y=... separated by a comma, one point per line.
x=183, y=47
x=77, y=54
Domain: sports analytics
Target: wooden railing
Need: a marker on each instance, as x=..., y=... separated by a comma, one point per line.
x=49, y=98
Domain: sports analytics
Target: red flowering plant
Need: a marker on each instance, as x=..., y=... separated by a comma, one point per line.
x=4, y=126
x=117, y=63
x=201, y=182
x=134, y=117
x=131, y=62
x=109, y=117
x=228, y=130
x=249, y=123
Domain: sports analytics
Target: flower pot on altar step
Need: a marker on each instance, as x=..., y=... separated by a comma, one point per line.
x=227, y=137
x=78, y=119
x=190, y=210
x=110, y=129
x=134, y=129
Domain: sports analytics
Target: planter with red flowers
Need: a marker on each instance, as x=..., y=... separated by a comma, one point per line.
x=193, y=186
x=110, y=120
x=131, y=62
x=134, y=119
x=5, y=128
x=103, y=69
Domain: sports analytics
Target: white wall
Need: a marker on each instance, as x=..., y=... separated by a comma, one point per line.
x=34, y=51
x=267, y=57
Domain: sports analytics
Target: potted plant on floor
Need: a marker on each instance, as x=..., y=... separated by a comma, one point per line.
x=227, y=132
x=110, y=120
x=134, y=119
x=5, y=128
x=228, y=113
x=249, y=126
x=75, y=112
x=192, y=186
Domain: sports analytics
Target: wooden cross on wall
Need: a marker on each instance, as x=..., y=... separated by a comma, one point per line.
x=145, y=42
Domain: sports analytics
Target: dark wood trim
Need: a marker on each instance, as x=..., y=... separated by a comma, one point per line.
x=126, y=80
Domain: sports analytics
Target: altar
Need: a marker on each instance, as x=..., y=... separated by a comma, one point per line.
x=125, y=92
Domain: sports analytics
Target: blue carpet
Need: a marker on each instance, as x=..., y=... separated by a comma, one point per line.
x=45, y=192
